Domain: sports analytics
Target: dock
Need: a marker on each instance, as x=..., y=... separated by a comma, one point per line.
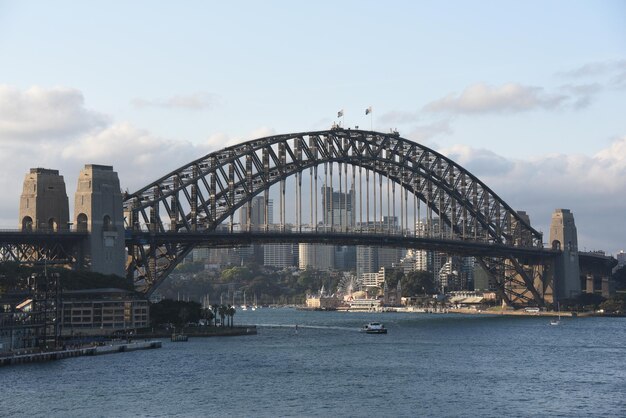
x=35, y=357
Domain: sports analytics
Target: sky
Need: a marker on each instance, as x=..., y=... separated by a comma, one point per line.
x=529, y=96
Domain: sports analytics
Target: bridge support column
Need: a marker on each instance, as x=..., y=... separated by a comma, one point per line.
x=563, y=236
x=98, y=209
x=43, y=203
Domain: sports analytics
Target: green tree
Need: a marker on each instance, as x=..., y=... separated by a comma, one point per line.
x=207, y=315
x=231, y=314
x=215, y=309
x=418, y=283
x=615, y=304
x=619, y=277
x=174, y=312
x=222, y=313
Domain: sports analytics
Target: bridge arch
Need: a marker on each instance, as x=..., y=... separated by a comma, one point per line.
x=205, y=193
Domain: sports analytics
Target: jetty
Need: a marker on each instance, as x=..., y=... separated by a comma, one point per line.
x=93, y=350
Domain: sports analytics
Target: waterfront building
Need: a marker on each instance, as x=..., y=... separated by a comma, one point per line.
x=102, y=312
x=323, y=301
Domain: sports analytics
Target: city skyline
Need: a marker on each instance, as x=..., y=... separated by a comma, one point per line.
x=525, y=96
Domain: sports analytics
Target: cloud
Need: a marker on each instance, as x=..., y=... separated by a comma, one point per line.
x=581, y=94
x=613, y=72
x=593, y=187
x=40, y=113
x=593, y=69
x=196, y=101
x=425, y=133
x=508, y=98
x=482, y=161
x=399, y=117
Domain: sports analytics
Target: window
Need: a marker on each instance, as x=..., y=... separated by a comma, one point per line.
x=81, y=222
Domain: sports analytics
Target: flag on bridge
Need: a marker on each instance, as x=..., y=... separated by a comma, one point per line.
x=340, y=113
x=368, y=110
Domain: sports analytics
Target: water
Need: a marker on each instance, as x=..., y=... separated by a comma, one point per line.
x=427, y=365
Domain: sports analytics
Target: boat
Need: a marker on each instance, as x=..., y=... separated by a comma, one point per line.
x=179, y=338
x=374, y=328
x=558, y=320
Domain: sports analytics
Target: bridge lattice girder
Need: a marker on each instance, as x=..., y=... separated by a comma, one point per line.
x=204, y=193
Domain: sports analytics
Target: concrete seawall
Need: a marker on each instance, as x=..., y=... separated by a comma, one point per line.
x=84, y=351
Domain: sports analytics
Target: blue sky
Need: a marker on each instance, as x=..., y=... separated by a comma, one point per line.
x=527, y=95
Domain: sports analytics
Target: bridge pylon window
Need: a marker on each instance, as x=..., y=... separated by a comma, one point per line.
x=81, y=222
x=27, y=223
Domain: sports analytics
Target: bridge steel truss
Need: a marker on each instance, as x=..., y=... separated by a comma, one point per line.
x=205, y=193
x=42, y=247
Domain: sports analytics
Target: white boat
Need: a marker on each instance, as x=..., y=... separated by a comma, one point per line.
x=558, y=320
x=244, y=307
x=374, y=328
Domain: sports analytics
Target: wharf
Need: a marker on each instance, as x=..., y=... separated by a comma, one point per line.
x=203, y=332
x=35, y=357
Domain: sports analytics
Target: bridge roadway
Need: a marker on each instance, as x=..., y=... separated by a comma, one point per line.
x=221, y=239
x=18, y=236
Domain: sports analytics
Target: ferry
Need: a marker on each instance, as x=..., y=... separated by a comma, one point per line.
x=374, y=328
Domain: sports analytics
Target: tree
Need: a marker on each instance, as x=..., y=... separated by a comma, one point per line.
x=619, y=277
x=615, y=304
x=207, y=315
x=222, y=313
x=231, y=314
x=418, y=283
x=174, y=312
x=215, y=309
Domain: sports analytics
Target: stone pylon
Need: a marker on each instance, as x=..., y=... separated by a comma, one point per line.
x=43, y=203
x=563, y=236
x=98, y=210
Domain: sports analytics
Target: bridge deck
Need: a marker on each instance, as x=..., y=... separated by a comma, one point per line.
x=233, y=239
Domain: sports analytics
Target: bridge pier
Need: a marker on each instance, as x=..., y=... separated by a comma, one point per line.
x=563, y=236
x=98, y=210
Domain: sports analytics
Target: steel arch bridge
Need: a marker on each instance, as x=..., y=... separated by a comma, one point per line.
x=192, y=206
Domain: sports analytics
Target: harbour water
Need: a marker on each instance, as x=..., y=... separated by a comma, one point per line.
x=427, y=365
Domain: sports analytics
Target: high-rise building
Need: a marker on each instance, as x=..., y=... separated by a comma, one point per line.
x=366, y=260
x=278, y=255
x=371, y=259
x=621, y=259
x=337, y=214
x=255, y=216
x=252, y=214
x=316, y=256
x=337, y=208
